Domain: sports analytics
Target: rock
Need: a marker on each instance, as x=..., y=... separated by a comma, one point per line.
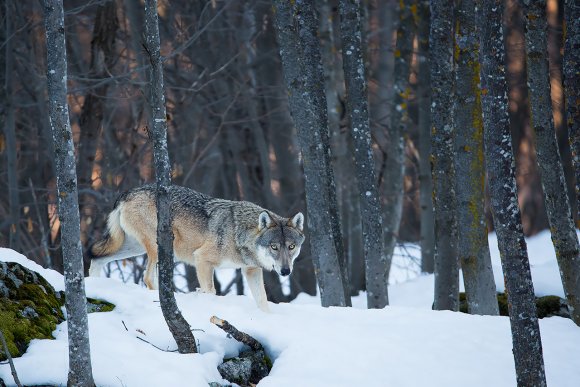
x=246, y=369
x=30, y=308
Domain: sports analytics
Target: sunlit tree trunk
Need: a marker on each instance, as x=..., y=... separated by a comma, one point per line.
x=527, y=346
x=80, y=370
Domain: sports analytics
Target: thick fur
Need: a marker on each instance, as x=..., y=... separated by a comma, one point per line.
x=208, y=233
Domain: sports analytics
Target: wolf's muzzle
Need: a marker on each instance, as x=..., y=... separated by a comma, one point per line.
x=285, y=271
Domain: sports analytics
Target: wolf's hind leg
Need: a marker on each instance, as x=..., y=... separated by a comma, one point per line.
x=205, y=276
x=255, y=279
x=150, y=275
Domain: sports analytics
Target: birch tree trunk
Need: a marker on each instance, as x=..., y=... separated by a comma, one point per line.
x=357, y=106
x=177, y=324
x=562, y=227
x=472, y=243
x=527, y=345
x=572, y=87
x=80, y=371
x=443, y=166
x=300, y=53
x=425, y=179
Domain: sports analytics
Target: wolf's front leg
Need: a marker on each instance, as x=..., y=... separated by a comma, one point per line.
x=205, y=277
x=255, y=280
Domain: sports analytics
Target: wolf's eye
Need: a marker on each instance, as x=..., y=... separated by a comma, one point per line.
x=273, y=247
x=292, y=246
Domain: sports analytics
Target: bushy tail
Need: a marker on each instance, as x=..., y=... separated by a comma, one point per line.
x=113, y=238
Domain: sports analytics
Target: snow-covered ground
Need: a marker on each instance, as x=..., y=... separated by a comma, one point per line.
x=405, y=344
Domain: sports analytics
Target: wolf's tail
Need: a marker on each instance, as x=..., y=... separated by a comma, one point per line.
x=113, y=238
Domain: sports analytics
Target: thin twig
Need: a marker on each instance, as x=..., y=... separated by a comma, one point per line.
x=161, y=349
x=9, y=356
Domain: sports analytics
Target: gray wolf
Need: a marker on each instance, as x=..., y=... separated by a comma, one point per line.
x=209, y=233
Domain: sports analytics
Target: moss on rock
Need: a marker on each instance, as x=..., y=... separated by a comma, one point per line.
x=546, y=306
x=30, y=308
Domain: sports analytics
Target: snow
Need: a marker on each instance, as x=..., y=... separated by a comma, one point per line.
x=405, y=344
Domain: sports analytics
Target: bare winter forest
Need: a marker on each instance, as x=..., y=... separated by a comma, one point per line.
x=383, y=121
x=229, y=127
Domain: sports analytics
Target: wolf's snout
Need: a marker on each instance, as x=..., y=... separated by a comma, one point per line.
x=285, y=271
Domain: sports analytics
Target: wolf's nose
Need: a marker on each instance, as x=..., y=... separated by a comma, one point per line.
x=285, y=271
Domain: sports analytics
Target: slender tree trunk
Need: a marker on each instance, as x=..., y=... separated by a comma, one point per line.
x=395, y=164
x=572, y=87
x=555, y=192
x=300, y=52
x=442, y=158
x=340, y=142
x=80, y=371
x=527, y=346
x=472, y=244
x=6, y=93
x=357, y=106
x=91, y=117
x=425, y=180
x=177, y=324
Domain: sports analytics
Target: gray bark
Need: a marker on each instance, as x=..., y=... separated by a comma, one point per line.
x=91, y=117
x=80, y=371
x=395, y=164
x=425, y=180
x=300, y=53
x=572, y=87
x=343, y=164
x=357, y=108
x=177, y=324
x=6, y=95
x=527, y=345
x=472, y=244
x=562, y=227
x=442, y=158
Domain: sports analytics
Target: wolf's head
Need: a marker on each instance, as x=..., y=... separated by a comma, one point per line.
x=279, y=241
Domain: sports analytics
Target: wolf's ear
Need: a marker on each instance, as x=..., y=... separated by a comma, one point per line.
x=264, y=220
x=297, y=221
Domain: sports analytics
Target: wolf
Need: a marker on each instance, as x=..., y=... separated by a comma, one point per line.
x=209, y=233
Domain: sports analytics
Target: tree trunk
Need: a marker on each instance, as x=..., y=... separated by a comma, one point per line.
x=527, y=346
x=425, y=181
x=555, y=192
x=177, y=324
x=572, y=88
x=6, y=94
x=395, y=152
x=300, y=53
x=442, y=158
x=472, y=243
x=91, y=117
x=80, y=371
x=340, y=142
x=357, y=107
